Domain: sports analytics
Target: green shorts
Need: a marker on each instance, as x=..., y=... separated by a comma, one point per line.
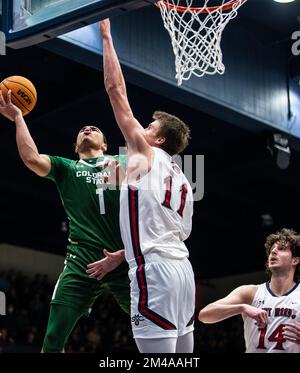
x=76, y=289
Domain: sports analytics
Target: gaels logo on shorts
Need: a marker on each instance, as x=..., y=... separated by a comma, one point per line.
x=136, y=319
x=24, y=96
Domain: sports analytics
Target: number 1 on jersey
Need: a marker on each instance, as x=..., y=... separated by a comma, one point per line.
x=100, y=193
x=167, y=201
x=168, y=196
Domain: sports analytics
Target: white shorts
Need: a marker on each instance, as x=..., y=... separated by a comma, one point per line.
x=162, y=297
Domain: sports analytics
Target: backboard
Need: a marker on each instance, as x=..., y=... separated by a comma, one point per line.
x=28, y=22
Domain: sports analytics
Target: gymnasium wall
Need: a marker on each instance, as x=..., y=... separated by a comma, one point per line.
x=30, y=262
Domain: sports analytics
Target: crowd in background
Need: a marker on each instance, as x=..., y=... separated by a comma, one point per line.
x=107, y=329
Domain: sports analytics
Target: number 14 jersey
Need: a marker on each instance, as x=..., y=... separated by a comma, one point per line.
x=156, y=211
x=281, y=311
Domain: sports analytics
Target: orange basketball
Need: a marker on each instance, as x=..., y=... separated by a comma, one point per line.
x=23, y=92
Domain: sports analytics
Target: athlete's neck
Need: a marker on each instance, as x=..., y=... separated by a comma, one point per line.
x=91, y=153
x=281, y=284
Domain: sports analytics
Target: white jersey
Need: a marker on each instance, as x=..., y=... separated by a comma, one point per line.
x=156, y=211
x=281, y=310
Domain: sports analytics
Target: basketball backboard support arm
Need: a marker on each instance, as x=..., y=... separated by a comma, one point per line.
x=38, y=31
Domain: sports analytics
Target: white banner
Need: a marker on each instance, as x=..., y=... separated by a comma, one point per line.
x=2, y=304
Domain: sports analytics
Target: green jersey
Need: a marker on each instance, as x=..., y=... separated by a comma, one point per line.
x=91, y=204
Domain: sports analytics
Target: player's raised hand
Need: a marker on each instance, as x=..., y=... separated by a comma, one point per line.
x=259, y=315
x=104, y=28
x=102, y=267
x=7, y=108
x=291, y=332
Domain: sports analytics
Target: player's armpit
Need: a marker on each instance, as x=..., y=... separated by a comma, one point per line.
x=41, y=165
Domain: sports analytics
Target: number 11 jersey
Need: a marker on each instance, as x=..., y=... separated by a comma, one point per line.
x=156, y=211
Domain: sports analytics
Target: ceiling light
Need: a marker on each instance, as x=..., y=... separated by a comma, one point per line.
x=267, y=220
x=284, y=1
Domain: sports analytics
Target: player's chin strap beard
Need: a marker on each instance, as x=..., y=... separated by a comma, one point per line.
x=87, y=145
x=84, y=145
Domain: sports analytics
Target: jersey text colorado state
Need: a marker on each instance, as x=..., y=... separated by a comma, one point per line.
x=93, y=177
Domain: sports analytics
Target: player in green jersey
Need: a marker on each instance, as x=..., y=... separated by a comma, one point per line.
x=91, y=203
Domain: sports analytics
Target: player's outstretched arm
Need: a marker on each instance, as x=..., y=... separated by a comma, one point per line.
x=115, y=86
x=236, y=303
x=38, y=163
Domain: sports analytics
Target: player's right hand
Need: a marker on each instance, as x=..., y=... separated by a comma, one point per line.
x=7, y=108
x=102, y=267
x=259, y=315
x=104, y=28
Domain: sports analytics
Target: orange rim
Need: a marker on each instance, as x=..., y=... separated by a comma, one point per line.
x=209, y=9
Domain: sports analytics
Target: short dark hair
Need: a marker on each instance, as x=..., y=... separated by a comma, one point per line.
x=285, y=235
x=175, y=132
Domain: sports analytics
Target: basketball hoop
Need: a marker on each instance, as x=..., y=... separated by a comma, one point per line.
x=196, y=34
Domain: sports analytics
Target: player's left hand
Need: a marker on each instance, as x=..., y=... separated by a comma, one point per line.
x=102, y=267
x=291, y=332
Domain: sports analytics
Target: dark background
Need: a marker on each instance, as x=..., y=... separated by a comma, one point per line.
x=242, y=183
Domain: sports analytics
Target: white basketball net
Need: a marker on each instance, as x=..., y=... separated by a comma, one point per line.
x=196, y=34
